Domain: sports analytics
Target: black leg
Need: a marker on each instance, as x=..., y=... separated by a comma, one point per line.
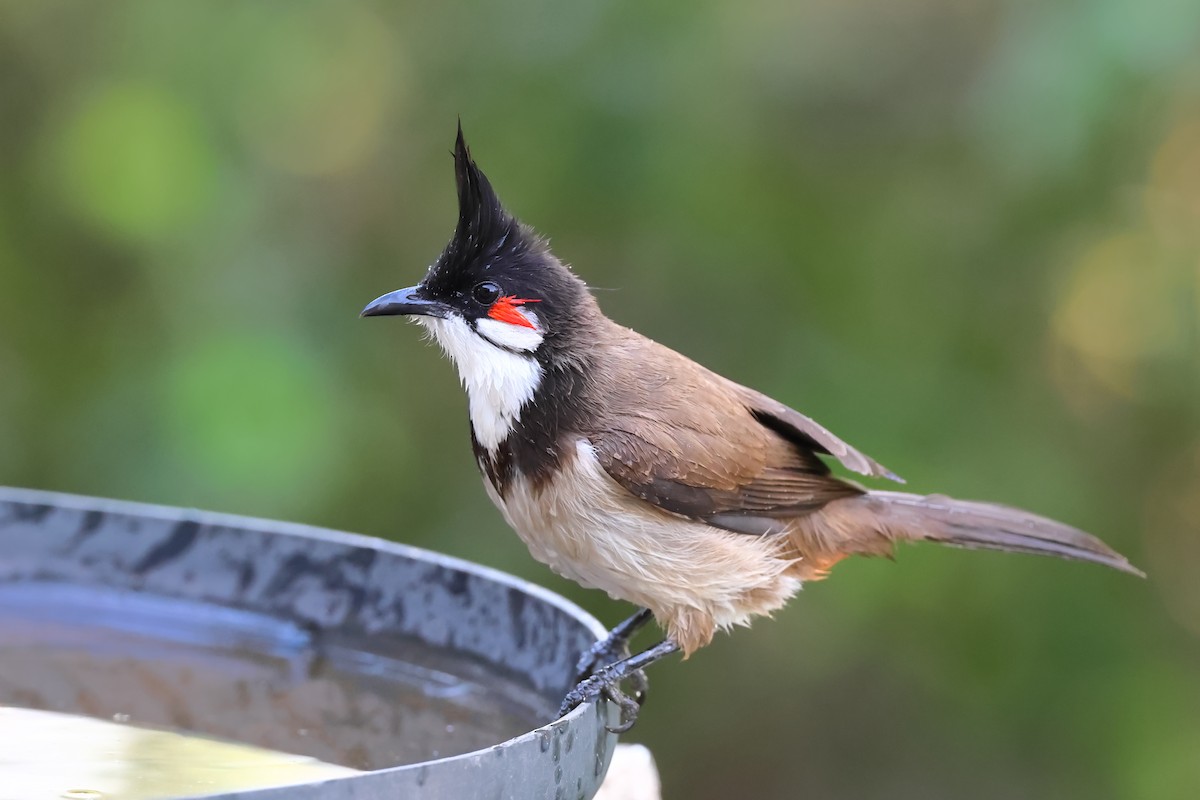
x=611, y=648
x=614, y=648
x=607, y=680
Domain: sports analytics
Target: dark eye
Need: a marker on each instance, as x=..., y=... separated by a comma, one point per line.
x=485, y=293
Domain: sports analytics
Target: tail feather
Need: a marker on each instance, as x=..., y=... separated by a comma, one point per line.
x=984, y=526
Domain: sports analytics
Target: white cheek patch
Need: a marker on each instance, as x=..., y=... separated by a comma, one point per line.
x=516, y=337
x=498, y=382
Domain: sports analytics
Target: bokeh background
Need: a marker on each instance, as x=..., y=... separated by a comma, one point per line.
x=964, y=236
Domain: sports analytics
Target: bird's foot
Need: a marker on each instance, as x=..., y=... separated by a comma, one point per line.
x=608, y=686
x=612, y=649
x=606, y=682
x=604, y=654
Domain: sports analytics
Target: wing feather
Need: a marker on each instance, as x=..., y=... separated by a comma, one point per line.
x=701, y=446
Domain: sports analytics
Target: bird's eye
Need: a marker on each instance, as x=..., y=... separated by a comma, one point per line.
x=485, y=293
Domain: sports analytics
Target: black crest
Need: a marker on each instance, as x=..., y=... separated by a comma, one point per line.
x=485, y=231
x=481, y=218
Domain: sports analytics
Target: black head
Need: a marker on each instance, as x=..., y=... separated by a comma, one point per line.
x=496, y=275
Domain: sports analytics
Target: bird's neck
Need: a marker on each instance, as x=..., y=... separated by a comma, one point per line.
x=497, y=397
x=530, y=438
x=499, y=381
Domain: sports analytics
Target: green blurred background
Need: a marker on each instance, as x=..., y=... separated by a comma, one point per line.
x=964, y=236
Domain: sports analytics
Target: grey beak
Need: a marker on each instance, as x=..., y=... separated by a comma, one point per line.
x=406, y=302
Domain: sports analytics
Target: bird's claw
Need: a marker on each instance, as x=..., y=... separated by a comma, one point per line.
x=607, y=663
x=603, y=685
x=604, y=654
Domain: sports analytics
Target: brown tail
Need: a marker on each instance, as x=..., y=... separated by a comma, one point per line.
x=869, y=523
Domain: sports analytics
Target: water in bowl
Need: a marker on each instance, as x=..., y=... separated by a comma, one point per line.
x=163, y=667
x=50, y=756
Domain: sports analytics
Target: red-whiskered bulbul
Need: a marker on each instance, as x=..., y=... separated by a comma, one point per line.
x=630, y=468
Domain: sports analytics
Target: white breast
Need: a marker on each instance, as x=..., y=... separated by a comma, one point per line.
x=587, y=528
x=499, y=382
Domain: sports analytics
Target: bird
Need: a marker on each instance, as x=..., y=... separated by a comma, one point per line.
x=630, y=468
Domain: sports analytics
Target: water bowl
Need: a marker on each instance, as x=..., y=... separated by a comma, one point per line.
x=152, y=652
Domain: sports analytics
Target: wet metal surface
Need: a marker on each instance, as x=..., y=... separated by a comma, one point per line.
x=355, y=652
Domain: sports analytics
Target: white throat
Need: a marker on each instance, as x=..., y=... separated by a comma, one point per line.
x=499, y=382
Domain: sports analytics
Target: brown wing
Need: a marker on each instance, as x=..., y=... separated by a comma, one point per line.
x=807, y=432
x=677, y=476
x=693, y=443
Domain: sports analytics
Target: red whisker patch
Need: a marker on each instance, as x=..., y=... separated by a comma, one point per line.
x=505, y=310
